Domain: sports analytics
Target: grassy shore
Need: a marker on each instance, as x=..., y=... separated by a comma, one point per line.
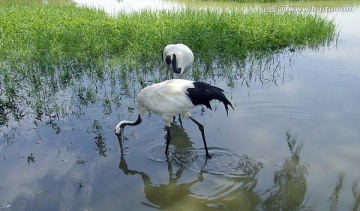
x=45, y=35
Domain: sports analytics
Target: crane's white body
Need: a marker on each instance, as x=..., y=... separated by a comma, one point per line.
x=184, y=58
x=167, y=99
x=173, y=97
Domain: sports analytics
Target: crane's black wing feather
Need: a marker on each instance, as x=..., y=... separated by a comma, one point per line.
x=203, y=93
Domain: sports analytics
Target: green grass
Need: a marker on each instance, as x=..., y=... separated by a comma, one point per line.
x=63, y=35
x=45, y=48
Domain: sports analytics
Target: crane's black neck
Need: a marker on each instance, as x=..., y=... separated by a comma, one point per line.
x=174, y=65
x=137, y=122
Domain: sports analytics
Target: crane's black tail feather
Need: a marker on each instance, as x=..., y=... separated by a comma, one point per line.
x=203, y=93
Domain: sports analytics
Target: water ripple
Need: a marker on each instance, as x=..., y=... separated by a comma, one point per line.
x=264, y=109
x=222, y=161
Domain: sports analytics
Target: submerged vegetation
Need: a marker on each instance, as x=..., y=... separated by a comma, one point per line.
x=44, y=48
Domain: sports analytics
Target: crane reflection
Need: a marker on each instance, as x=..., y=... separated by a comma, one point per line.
x=193, y=182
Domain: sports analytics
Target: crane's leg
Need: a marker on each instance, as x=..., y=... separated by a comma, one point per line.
x=201, y=128
x=180, y=121
x=168, y=138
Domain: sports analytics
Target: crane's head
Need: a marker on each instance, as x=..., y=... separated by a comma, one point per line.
x=119, y=129
x=170, y=59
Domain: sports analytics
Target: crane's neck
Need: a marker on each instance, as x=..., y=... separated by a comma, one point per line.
x=124, y=123
x=119, y=129
x=175, y=65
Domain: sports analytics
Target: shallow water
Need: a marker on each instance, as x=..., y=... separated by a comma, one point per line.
x=292, y=142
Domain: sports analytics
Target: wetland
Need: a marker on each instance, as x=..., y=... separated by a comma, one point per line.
x=69, y=74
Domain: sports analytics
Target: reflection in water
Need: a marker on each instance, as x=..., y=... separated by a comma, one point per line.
x=356, y=194
x=268, y=70
x=227, y=181
x=288, y=192
x=99, y=139
x=180, y=144
x=163, y=196
x=206, y=190
x=334, y=198
x=355, y=189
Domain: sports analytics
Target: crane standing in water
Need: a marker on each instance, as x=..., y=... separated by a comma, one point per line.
x=173, y=97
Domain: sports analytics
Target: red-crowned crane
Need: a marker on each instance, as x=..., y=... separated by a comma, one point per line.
x=178, y=57
x=173, y=97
